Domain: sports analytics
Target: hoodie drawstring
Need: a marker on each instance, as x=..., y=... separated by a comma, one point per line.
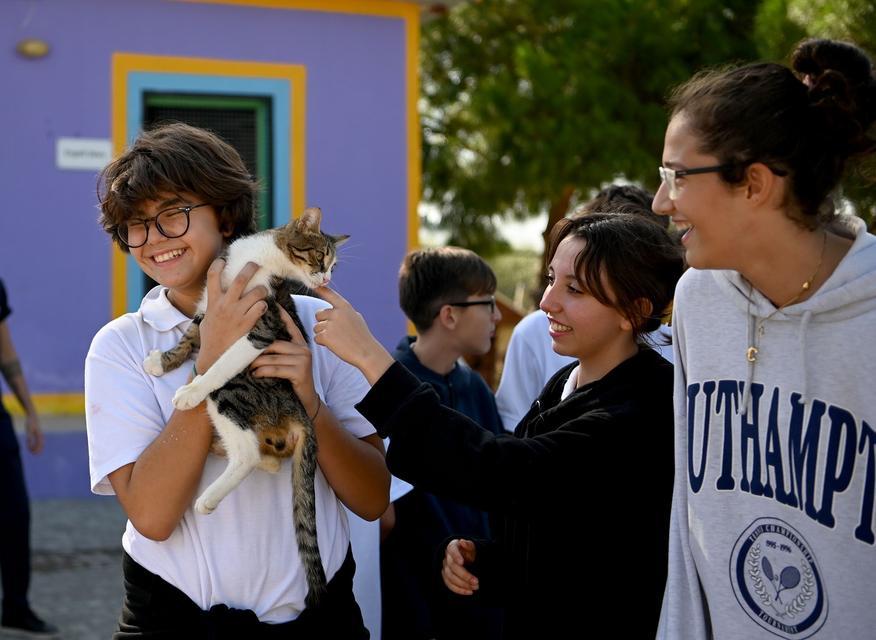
x=801, y=339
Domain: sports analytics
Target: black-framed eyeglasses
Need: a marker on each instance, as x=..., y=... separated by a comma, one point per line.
x=472, y=303
x=171, y=223
x=668, y=175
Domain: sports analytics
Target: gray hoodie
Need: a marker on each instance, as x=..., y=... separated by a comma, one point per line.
x=772, y=527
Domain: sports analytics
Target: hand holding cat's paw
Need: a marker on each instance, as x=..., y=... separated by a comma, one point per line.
x=152, y=364
x=189, y=395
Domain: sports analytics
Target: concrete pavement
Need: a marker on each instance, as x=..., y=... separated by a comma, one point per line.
x=77, y=573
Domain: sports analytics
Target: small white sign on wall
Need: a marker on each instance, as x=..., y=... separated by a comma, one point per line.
x=84, y=154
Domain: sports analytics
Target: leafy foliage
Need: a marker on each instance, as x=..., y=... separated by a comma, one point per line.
x=516, y=273
x=529, y=105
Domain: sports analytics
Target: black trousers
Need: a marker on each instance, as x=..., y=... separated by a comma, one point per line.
x=153, y=608
x=14, y=522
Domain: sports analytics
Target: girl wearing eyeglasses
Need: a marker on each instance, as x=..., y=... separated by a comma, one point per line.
x=581, y=492
x=772, y=531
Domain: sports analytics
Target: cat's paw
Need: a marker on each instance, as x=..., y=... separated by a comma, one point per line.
x=189, y=395
x=269, y=464
x=204, y=505
x=152, y=364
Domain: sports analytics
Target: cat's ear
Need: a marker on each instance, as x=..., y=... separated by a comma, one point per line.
x=309, y=220
x=339, y=240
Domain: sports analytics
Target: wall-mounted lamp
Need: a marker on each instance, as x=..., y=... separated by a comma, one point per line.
x=32, y=48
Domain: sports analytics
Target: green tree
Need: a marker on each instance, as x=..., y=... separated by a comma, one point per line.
x=780, y=24
x=529, y=105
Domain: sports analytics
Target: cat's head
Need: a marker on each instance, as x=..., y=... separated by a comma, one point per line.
x=312, y=252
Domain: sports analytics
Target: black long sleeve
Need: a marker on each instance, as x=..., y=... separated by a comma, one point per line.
x=446, y=453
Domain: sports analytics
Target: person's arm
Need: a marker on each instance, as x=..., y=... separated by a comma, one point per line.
x=157, y=489
x=445, y=452
x=354, y=467
x=14, y=376
x=683, y=612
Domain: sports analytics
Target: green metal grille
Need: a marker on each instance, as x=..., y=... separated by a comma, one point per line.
x=242, y=121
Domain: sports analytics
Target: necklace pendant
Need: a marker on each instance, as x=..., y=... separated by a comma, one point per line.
x=751, y=354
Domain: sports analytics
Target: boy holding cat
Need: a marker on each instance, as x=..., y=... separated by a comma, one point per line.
x=235, y=572
x=448, y=294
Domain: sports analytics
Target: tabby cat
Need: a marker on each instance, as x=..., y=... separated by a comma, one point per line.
x=260, y=421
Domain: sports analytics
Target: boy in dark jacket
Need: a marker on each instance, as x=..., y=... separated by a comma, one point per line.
x=447, y=293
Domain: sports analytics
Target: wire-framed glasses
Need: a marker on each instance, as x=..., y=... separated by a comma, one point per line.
x=171, y=223
x=471, y=303
x=669, y=176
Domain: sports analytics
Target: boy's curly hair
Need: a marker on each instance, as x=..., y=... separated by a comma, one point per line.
x=178, y=158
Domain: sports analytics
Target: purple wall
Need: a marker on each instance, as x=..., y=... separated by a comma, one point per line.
x=55, y=260
x=60, y=470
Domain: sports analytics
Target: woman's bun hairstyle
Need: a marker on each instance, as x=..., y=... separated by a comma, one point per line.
x=805, y=122
x=842, y=93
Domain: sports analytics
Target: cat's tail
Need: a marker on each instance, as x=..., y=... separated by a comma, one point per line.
x=304, y=512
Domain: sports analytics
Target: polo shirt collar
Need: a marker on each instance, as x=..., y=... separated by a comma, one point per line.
x=159, y=313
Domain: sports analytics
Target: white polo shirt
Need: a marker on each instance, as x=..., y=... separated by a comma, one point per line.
x=244, y=554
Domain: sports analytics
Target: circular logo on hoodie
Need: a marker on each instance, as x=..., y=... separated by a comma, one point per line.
x=776, y=579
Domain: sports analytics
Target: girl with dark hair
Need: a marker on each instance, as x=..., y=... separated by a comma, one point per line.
x=581, y=492
x=772, y=529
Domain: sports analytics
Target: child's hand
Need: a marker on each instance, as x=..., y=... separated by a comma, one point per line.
x=343, y=330
x=230, y=314
x=456, y=577
x=290, y=360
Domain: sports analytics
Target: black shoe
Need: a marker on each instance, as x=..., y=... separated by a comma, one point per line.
x=28, y=625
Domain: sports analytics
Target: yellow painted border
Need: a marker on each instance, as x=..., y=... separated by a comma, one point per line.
x=409, y=12
x=385, y=8
x=412, y=68
x=126, y=63
x=49, y=404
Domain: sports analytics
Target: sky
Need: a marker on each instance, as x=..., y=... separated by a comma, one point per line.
x=521, y=235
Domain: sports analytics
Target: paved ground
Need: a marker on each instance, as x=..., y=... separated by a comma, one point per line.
x=77, y=575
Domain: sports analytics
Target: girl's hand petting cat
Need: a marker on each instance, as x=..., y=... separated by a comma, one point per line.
x=456, y=577
x=230, y=314
x=290, y=360
x=343, y=330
